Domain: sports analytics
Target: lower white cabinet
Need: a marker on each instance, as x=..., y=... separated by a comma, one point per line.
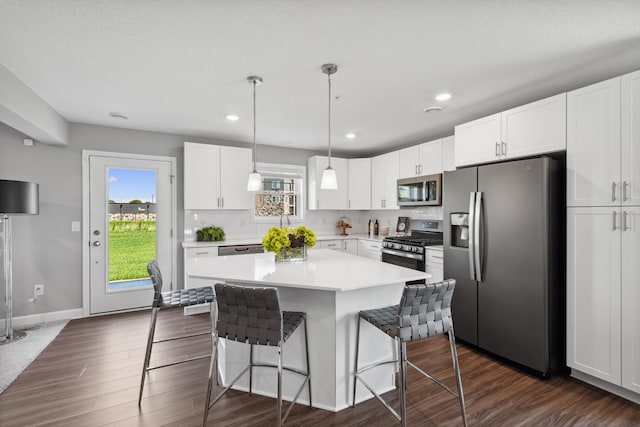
x=348, y=246
x=370, y=249
x=433, y=261
x=603, y=294
x=195, y=253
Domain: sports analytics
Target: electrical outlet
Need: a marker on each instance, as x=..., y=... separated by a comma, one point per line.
x=38, y=290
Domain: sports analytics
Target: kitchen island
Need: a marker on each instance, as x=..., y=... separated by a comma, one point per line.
x=331, y=287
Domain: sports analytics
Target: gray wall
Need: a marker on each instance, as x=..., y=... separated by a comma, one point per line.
x=44, y=248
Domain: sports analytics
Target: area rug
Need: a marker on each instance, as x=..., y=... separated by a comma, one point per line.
x=16, y=356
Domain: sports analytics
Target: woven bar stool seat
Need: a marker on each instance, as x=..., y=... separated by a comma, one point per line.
x=424, y=312
x=174, y=299
x=252, y=315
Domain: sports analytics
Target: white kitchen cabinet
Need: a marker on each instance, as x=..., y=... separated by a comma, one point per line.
x=340, y=245
x=422, y=159
x=593, y=293
x=384, y=181
x=327, y=199
x=370, y=249
x=359, y=188
x=630, y=286
x=603, y=291
x=434, y=264
x=630, y=139
x=531, y=129
x=603, y=143
x=448, y=153
x=197, y=253
x=215, y=177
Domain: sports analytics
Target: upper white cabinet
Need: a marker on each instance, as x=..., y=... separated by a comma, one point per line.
x=448, y=153
x=603, y=143
x=535, y=128
x=423, y=159
x=359, y=190
x=327, y=199
x=384, y=181
x=215, y=177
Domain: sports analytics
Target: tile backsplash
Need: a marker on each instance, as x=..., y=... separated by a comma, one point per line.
x=239, y=224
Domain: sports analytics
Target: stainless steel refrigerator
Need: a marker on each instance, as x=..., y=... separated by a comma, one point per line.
x=504, y=245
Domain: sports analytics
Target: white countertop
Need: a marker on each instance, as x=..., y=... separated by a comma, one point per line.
x=257, y=240
x=324, y=270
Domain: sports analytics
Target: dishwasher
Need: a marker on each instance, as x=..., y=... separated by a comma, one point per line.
x=240, y=249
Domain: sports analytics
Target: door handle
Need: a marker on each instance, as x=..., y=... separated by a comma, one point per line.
x=96, y=243
x=504, y=150
x=476, y=238
x=497, y=149
x=222, y=202
x=472, y=204
x=624, y=220
x=613, y=191
x=615, y=214
x=624, y=190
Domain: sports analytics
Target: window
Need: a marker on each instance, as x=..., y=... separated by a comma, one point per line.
x=282, y=192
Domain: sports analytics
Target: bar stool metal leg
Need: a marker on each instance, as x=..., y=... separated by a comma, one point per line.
x=355, y=365
x=213, y=371
x=306, y=348
x=280, y=384
x=147, y=355
x=250, y=369
x=456, y=368
x=402, y=352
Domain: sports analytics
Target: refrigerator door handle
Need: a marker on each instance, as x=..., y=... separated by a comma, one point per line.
x=476, y=237
x=472, y=204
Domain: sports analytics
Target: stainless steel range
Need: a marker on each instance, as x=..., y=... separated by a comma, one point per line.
x=408, y=250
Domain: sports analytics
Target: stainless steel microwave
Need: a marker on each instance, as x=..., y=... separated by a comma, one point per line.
x=423, y=190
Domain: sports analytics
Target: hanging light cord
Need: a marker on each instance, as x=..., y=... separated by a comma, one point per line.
x=254, y=126
x=329, y=136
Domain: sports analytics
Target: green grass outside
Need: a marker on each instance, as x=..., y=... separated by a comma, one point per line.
x=132, y=244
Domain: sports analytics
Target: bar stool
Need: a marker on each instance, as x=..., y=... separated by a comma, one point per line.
x=252, y=315
x=173, y=300
x=424, y=312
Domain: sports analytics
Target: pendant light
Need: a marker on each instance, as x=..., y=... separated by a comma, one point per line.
x=329, y=180
x=255, y=180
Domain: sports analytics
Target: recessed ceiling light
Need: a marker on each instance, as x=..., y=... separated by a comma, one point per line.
x=444, y=96
x=434, y=109
x=350, y=135
x=232, y=117
x=119, y=116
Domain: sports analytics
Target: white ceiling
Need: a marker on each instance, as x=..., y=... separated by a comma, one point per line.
x=180, y=66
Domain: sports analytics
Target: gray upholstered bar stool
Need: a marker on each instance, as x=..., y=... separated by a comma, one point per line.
x=174, y=300
x=253, y=316
x=424, y=312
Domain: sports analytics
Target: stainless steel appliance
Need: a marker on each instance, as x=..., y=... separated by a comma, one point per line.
x=503, y=244
x=420, y=191
x=240, y=249
x=408, y=250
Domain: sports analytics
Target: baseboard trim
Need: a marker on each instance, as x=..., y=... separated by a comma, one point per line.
x=52, y=316
x=611, y=388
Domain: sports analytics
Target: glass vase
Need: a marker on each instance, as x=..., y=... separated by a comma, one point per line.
x=292, y=254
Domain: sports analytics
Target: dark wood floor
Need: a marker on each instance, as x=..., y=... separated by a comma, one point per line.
x=89, y=376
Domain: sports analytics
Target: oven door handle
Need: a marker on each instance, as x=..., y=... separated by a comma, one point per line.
x=403, y=254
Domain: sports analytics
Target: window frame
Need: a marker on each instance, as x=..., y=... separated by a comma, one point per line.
x=296, y=172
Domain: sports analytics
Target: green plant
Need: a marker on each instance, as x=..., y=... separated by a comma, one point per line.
x=210, y=234
x=277, y=239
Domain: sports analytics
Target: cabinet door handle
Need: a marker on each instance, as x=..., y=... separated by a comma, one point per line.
x=624, y=190
x=437, y=256
x=349, y=204
x=613, y=191
x=615, y=214
x=497, y=149
x=202, y=253
x=504, y=150
x=317, y=203
x=222, y=202
x=624, y=220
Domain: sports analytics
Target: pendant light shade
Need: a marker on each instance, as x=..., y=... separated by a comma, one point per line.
x=255, y=180
x=329, y=179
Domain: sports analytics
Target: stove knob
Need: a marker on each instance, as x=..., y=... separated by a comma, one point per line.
x=397, y=246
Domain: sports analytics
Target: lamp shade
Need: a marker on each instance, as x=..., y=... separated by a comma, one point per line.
x=329, y=179
x=18, y=197
x=255, y=182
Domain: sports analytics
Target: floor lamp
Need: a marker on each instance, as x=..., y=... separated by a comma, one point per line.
x=16, y=198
